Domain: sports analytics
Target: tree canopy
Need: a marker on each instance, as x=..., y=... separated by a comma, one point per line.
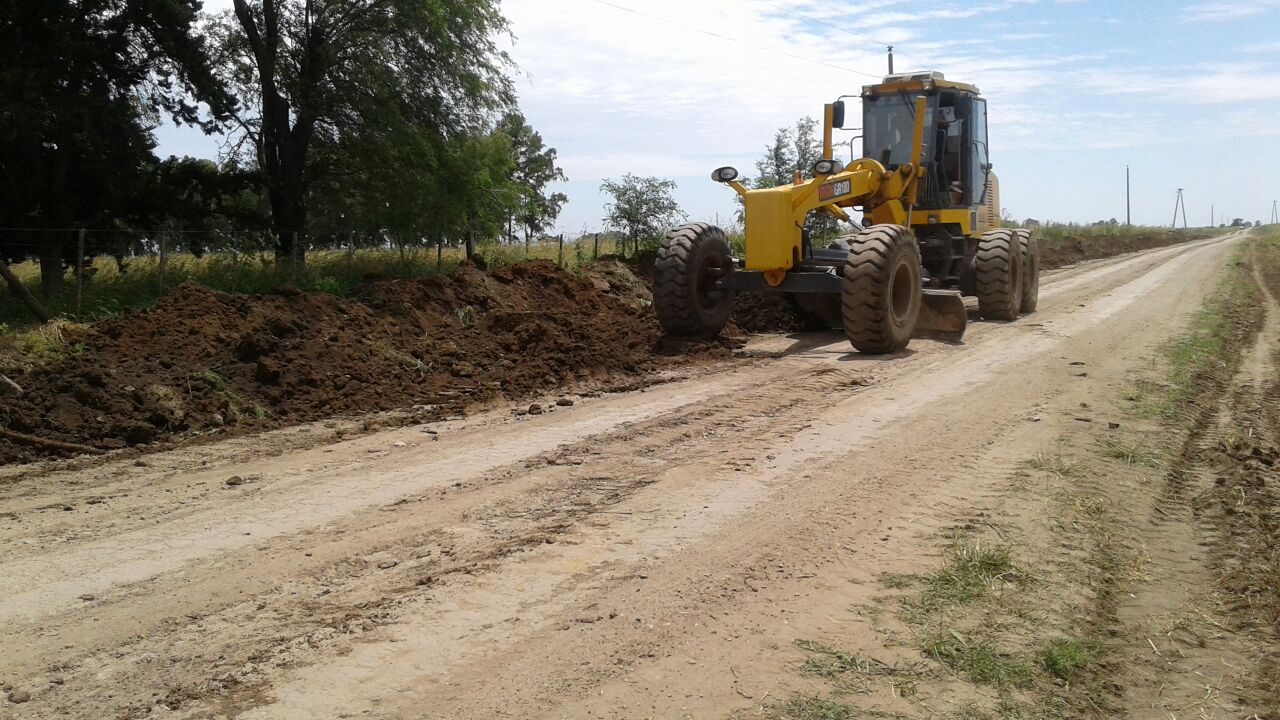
x=641, y=207
x=394, y=119
x=793, y=149
x=325, y=85
x=84, y=82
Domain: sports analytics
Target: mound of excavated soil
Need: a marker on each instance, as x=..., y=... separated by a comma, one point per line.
x=202, y=359
x=1073, y=249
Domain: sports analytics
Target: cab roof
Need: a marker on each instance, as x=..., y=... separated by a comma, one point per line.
x=916, y=81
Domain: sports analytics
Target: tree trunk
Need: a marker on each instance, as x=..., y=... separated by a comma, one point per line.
x=471, y=245
x=289, y=219
x=283, y=140
x=20, y=291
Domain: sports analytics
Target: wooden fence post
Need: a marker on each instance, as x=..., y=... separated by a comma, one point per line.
x=235, y=264
x=79, y=273
x=561, y=259
x=164, y=260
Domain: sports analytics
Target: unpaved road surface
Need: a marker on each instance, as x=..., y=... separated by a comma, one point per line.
x=635, y=555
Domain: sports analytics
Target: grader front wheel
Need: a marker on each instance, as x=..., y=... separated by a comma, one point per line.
x=686, y=295
x=880, y=293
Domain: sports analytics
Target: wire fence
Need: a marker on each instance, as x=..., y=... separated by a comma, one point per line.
x=88, y=274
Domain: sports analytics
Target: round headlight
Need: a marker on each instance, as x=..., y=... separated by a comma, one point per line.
x=725, y=174
x=827, y=167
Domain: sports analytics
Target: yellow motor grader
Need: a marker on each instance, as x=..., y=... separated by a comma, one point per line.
x=930, y=232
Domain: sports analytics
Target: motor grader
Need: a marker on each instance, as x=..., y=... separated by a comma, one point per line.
x=930, y=230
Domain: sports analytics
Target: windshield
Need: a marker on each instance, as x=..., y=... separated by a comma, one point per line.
x=887, y=125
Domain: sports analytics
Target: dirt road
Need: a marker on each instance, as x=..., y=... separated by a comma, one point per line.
x=636, y=555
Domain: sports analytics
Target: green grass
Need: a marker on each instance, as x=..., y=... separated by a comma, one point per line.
x=1201, y=348
x=1058, y=232
x=235, y=405
x=1131, y=453
x=1066, y=658
x=828, y=662
x=109, y=291
x=980, y=660
x=970, y=574
x=1054, y=464
x=811, y=707
x=213, y=379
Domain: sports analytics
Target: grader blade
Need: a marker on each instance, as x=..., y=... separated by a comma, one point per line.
x=942, y=316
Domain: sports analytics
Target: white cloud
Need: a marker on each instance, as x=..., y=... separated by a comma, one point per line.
x=1219, y=10
x=616, y=91
x=1207, y=84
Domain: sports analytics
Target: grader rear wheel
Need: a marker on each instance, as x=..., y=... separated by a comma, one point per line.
x=686, y=297
x=880, y=295
x=998, y=267
x=1030, y=271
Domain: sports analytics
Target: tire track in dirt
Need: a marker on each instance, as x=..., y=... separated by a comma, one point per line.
x=738, y=418
x=366, y=668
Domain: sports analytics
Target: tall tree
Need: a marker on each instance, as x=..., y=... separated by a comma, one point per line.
x=641, y=207
x=535, y=168
x=778, y=164
x=319, y=72
x=84, y=82
x=794, y=148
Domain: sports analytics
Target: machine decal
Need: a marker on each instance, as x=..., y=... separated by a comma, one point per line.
x=833, y=190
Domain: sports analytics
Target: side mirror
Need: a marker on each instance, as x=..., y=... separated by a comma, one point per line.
x=837, y=114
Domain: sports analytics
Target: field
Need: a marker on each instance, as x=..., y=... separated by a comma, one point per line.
x=109, y=291
x=503, y=493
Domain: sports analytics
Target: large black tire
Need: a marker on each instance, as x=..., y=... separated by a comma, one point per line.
x=998, y=268
x=880, y=293
x=688, y=303
x=1030, y=271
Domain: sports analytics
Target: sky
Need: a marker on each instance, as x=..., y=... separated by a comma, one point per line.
x=1185, y=93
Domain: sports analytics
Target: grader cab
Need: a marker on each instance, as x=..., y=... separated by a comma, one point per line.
x=930, y=230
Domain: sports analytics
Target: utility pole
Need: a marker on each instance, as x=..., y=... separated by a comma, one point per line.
x=1128, y=207
x=1213, y=215
x=1275, y=214
x=1180, y=204
x=890, y=59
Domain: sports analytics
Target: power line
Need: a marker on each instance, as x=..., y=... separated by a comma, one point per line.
x=721, y=36
x=808, y=18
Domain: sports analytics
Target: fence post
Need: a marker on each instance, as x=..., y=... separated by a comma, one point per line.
x=439, y=254
x=235, y=263
x=595, y=248
x=164, y=261
x=561, y=260
x=79, y=273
